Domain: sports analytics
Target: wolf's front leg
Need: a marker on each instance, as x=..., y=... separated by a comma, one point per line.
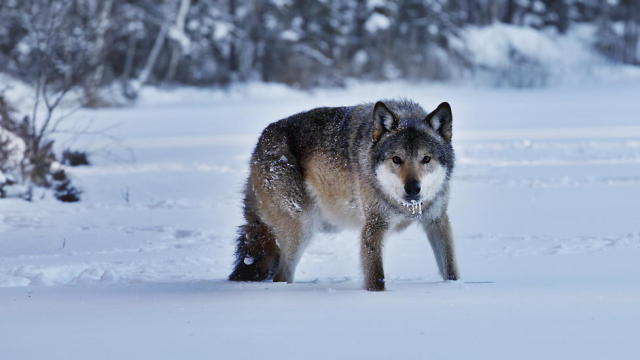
x=372, y=239
x=441, y=239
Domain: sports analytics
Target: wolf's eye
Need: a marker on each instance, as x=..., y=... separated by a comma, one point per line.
x=396, y=160
x=426, y=159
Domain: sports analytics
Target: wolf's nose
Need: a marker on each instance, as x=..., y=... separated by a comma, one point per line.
x=412, y=188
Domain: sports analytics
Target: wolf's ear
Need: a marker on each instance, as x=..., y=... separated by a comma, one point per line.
x=383, y=120
x=440, y=120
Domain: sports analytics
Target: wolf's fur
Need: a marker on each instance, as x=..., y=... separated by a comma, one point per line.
x=347, y=166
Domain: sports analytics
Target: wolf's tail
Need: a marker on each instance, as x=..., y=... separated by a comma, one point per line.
x=257, y=254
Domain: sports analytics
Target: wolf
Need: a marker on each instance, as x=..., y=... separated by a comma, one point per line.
x=378, y=167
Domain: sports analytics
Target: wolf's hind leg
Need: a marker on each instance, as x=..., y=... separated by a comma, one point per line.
x=257, y=253
x=277, y=182
x=292, y=237
x=441, y=239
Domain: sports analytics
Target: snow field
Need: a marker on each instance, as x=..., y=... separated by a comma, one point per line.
x=544, y=208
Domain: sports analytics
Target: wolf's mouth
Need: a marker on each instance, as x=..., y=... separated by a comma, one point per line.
x=414, y=206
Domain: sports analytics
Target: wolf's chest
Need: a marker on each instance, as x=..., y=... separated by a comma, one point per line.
x=333, y=192
x=336, y=204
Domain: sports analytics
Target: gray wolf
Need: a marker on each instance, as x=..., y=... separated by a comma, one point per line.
x=378, y=167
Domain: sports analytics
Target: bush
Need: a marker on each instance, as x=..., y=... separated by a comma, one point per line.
x=27, y=160
x=75, y=158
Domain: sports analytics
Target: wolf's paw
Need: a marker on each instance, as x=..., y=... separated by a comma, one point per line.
x=375, y=288
x=243, y=272
x=453, y=276
x=376, y=285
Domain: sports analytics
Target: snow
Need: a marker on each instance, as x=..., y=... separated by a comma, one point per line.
x=377, y=22
x=14, y=147
x=544, y=210
x=180, y=37
x=561, y=57
x=528, y=41
x=11, y=162
x=16, y=93
x=222, y=30
x=289, y=35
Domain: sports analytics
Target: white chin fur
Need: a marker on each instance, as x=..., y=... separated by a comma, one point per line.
x=430, y=185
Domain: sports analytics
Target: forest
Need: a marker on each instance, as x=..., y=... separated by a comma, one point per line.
x=306, y=43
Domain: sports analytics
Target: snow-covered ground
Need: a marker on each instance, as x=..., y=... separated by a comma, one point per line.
x=545, y=208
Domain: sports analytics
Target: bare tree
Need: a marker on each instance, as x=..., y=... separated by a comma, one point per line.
x=92, y=97
x=59, y=65
x=133, y=91
x=179, y=38
x=59, y=68
x=165, y=29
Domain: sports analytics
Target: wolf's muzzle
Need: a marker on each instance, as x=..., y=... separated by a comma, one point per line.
x=412, y=188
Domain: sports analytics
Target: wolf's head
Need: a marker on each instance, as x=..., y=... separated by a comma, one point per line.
x=412, y=151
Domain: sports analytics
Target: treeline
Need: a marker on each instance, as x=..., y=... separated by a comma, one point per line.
x=305, y=43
